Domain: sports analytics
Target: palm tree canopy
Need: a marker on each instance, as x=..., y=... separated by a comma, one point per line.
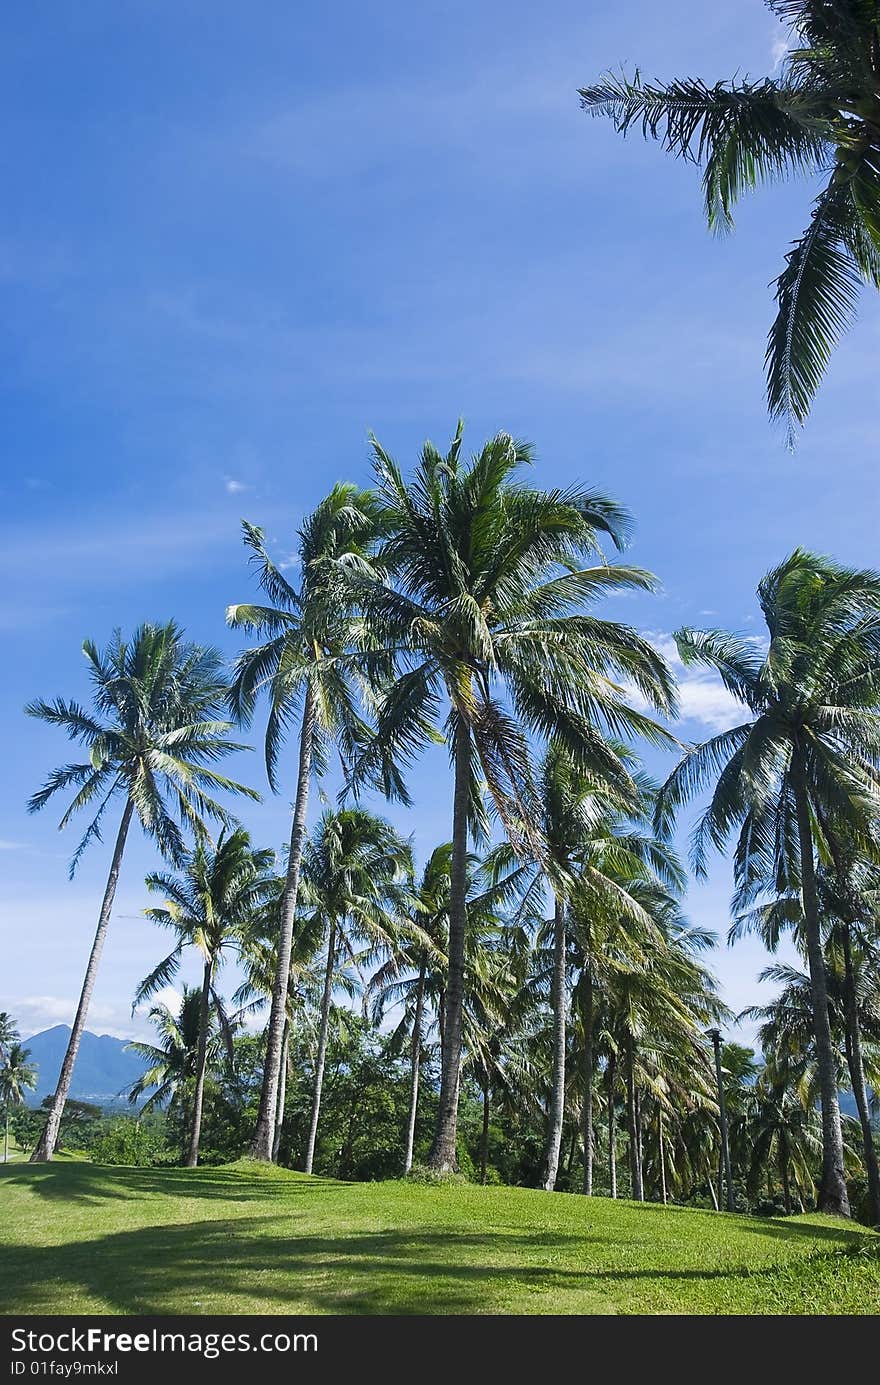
x=820, y=115
x=814, y=688
x=17, y=1075
x=211, y=904
x=152, y=733
x=171, y=1062
x=309, y=627
x=356, y=878
x=488, y=583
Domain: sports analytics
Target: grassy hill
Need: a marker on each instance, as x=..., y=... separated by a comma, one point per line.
x=83, y=1238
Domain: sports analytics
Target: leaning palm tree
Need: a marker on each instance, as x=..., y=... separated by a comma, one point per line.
x=210, y=904
x=303, y=667
x=17, y=1075
x=356, y=871
x=152, y=733
x=808, y=747
x=820, y=115
x=485, y=606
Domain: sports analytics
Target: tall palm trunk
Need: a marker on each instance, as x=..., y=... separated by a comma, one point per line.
x=587, y=1102
x=484, y=1134
x=556, y=1111
x=6, y=1137
x=856, y=1064
x=192, y=1155
x=282, y=1091
x=322, y=1050
x=45, y=1146
x=610, y=1074
x=833, y=1196
x=415, y=1068
x=661, y=1154
x=632, y=1112
x=783, y=1171
x=443, y=1156
x=265, y=1131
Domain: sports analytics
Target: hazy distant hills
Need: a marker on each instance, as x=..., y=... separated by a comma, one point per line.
x=103, y=1068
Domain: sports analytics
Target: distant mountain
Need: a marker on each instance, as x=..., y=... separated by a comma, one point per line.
x=103, y=1069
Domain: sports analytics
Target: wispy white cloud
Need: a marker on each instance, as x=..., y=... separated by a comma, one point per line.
x=779, y=48
x=11, y=846
x=703, y=698
x=234, y=487
x=33, y=1013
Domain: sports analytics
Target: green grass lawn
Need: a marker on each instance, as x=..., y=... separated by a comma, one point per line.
x=81, y=1238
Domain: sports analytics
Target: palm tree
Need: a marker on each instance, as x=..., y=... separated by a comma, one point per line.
x=172, y=1063
x=210, y=904
x=8, y=1033
x=415, y=972
x=484, y=610
x=258, y=956
x=810, y=745
x=355, y=874
x=17, y=1076
x=847, y=896
x=152, y=733
x=303, y=665
x=778, y=1127
x=820, y=115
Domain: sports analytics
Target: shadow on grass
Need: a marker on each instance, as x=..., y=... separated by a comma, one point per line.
x=782, y=1228
x=87, y=1182
x=252, y=1264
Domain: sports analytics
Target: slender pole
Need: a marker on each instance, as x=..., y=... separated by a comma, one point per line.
x=715, y=1035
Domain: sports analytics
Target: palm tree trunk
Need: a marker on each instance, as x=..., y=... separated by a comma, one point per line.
x=610, y=1074
x=661, y=1152
x=833, y=1196
x=282, y=1091
x=443, y=1154
x=587, y=1102
x=45, y=1146
x=192, y=1156
x=265, y=1131
x=855, y=1062
x=322, y=1050
x=556, y=1112
x=783, y=1171
x=415, y=1067
x=635, y=1159
x=6, y=1137
x=484, y=1135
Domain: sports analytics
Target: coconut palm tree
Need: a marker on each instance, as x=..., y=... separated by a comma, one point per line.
x=356, y=871
x=819, y=115
x=8, y=1033
x=172, y=1063
x=304, y=667
x=258, y=956
x=415, y=973
x=809, y=744
x=152, y=734
x=597, y=846
x=210, y=904
x=17, y=1076
x=848, y=896
x=779, y=1130
x=484, y=608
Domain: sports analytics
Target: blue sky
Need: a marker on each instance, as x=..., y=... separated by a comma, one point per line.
x=234, y=239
